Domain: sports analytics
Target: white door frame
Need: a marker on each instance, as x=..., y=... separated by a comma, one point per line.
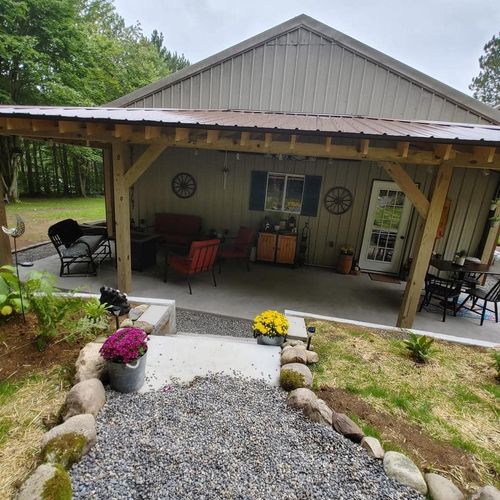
x=391, y=267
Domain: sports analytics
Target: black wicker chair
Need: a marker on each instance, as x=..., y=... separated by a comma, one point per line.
x=77, y=246
x=445, y=290
x=486, y=295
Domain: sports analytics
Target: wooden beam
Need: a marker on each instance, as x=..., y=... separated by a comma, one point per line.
x=410, y=189
x=95, y=129
x=403, y=148
x=43, y=125
x=293, y=140
x=484, y=154
x=212, y=136
x=181, y=134
x=69, y=127
x=18, y=124
x=122, y=131
x=143, y=163
x=424, y=248
x=268, y=139
x=121, y=154
x=443, y=151
x=107, y=165
x=244, y=138
x=152, y=133
x=5, y=249
x=328, y=144
x=364, y=145
x=492, y=238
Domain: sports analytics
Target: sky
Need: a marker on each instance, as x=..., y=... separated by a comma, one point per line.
x=442, y=38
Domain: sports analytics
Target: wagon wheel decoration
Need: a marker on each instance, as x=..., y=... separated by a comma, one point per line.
x=184, y=185
x=338, y=200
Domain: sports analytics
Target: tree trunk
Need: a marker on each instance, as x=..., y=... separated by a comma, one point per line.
x=30, y=181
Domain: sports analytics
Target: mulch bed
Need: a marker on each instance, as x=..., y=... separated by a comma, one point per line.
x=426, y=451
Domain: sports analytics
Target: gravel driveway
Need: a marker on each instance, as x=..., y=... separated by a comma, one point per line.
x=212, y=324
x=223, y=437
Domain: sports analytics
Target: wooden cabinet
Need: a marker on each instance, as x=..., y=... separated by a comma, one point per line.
x=266, y=247
x=279, y=248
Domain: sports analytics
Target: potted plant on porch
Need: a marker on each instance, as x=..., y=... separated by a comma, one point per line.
x=345, y=260
x=270, y=328
x=125, y=352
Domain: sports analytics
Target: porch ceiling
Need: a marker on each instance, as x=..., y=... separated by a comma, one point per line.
x=342, y=137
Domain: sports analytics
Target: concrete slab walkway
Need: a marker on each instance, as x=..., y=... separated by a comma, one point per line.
x=183, y=357
x=314, y=290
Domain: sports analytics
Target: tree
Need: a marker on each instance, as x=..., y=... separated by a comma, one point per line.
x=172, y=59
x=486, y=85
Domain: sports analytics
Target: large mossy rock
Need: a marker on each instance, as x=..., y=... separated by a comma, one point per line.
x=67, y=443
x=295, y=375
x=48, y=482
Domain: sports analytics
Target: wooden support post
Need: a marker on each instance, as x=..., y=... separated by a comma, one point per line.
x=107, y=165
x=5, y=250
x=424, y=248
x=121, y=158
x=492, y=239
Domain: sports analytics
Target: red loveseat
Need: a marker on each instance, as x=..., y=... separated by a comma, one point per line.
x=177, y=230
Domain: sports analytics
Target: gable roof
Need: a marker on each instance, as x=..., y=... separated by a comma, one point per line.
x=321, y=29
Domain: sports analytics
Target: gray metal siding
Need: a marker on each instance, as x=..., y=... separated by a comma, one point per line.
x=304, y=72
x=229, y=209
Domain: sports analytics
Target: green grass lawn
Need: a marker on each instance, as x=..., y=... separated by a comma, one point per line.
x=40, y=213
x=454, y=398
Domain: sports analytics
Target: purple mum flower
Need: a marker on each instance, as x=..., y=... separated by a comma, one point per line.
x=125, y=345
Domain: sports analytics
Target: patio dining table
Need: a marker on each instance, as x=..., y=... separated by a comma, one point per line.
x=468, y=267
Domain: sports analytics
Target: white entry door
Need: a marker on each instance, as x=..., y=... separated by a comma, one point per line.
x=386, y=228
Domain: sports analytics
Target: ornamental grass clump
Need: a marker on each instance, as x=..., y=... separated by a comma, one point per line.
x=125, y=345
x=270, y=323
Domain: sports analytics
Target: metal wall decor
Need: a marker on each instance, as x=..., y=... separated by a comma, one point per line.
x=338, y=200
x=184, y=185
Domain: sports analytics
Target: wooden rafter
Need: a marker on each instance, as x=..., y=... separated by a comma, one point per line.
x=443, y=151
x=484, y=154
x=66, y=127
x=268, y=138
x=409, y=188
x=181, y=134
x=152, y=133
x=122, y=131
x=244, y=138
x=403, y=148
x=212, y=136
x=293, y=142
x=328, y=144
x=363, y=147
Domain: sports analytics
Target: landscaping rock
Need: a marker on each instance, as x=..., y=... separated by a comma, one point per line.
x=135, y=313
x=400, y=468
x=345, y=426
x=301, y=347
x=48, y=481
x=311, y=357
x=293, y=343
x=486, y=493
x=295, y=375
x=299, y=398
x=85, y=397
x=373, y=447
x=90, y=364
x=68, y=442
x=441, y=488
x=126, y=323
x=147, y=327
x=293, y=355
x=318, y=411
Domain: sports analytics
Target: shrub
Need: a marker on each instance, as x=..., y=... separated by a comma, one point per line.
x=420, y=347
x=495, y=356
x=92, y=324
x=10, y=293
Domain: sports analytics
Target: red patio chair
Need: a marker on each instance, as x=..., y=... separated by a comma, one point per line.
x=239, y=249
x=201, y=259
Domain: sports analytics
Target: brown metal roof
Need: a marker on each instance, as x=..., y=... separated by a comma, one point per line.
x=268, y=121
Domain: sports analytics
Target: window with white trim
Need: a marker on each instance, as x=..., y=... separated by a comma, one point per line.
x=284, y=192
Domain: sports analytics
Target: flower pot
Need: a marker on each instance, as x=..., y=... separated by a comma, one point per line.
x=268, y=340
x=460, y=261
x=127, y=377
x=344, y=264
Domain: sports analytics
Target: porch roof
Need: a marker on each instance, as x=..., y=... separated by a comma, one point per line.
x=264, y=121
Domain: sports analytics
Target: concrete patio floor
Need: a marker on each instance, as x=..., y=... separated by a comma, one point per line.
x=314, y=290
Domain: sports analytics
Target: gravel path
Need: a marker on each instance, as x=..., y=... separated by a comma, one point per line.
x=223, y=437
x=36, y=253
x=212, y=324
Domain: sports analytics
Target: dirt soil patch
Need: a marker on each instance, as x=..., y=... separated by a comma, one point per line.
x=397, y=433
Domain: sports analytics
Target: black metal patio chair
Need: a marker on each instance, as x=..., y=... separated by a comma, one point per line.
x=77, y=246
x=486, y=295
x=446, y=290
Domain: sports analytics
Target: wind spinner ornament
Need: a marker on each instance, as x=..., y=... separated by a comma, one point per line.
x=15, y=233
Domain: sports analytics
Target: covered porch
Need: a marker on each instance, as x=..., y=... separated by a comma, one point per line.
x=132, y=139
x=308, y=289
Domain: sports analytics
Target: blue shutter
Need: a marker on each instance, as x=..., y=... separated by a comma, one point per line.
x=310, y=200
x=258, y=184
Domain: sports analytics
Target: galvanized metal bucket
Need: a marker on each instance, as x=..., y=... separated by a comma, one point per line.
x=127, y=377
x=268, y=340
